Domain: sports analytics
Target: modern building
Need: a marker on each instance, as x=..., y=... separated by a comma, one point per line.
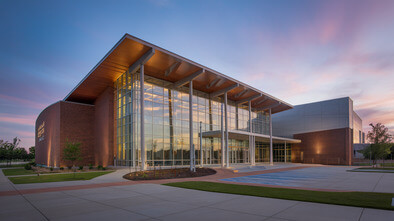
x=142, y=105
x=117, y=124
x=328, y=131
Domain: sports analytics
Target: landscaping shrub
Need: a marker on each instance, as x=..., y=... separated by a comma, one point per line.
x=90, y=166
x=99, y=167
x=61, y=168
x=27, y=166
x=51, y=168
x=80, y=167
x=168, y=174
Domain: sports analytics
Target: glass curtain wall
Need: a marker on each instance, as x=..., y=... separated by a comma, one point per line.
x=167, y=124
x=239, y=151
x=263, y=148
x=279, y=152
x=124, y=119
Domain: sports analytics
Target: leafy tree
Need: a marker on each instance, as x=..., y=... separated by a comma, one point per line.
x=32, y=152
x=20, y=153
x=376, y=151
x=2, y=150
x=10, y=150
x=379, y=134
x=380, y=146
x=72, y=153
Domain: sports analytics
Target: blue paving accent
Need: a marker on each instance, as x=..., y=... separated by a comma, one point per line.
x=292, y=178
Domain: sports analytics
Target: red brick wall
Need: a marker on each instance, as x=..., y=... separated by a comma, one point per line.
x=48, y=146
x=324, y=147
x=65, y=121
x=104, y=128
x=76, y=125
x=90, y=125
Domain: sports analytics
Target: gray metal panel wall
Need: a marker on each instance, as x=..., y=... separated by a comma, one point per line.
x=318, y=116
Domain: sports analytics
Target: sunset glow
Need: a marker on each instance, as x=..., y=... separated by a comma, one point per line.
x=299, y=51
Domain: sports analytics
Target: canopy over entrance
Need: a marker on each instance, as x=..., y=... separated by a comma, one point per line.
x=243, y=135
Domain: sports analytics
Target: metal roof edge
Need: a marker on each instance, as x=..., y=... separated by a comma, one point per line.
x=98, y=64
x=204, y=67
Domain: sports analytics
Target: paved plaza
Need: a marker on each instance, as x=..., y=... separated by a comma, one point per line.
x=324, y=177
x=127, y=200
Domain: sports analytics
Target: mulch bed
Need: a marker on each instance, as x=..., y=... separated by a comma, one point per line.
x=168, y=174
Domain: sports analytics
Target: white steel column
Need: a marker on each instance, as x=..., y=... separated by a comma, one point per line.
x=251, y=142
x=226, y=130
x=285, y=153
x=191, y=125
x=271, y=152
x=236, y=117
x=222, y=134
x=142, y=111
x=201, y=157
x=254, y=149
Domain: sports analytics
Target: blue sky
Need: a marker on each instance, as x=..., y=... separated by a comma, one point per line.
x=298, y=51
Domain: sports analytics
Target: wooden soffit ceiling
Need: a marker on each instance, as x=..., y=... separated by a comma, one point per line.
x=167, y=66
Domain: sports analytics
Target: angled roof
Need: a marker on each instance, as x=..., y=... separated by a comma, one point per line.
x=167, y=66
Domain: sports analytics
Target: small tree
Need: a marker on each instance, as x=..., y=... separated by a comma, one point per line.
x=380, y=140
x=376, y=151
x=72, y=153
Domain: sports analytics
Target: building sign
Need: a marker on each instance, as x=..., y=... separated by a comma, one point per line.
x=40, y=132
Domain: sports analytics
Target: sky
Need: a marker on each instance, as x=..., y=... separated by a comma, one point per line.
x=299, y=51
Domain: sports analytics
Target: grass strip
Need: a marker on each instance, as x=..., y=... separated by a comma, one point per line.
x=358, y=199
x=370, y=171
x=13, y=165
x=57, y=177
x=375, y=168
x=17, y=171
x=387, y=164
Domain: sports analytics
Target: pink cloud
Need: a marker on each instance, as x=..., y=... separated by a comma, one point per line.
x=24, y=102
x=18, y=119
x=376, y=116
x=27, y=137
x=329, y=30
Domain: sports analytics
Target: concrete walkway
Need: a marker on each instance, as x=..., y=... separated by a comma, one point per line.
x=158, y=202
x=330, y=178
x=323, y=177
x=112, y=197
x=110, y=180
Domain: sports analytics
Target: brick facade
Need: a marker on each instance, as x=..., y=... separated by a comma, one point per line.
x=90, y=125
x=104, y=124
x=332, y=147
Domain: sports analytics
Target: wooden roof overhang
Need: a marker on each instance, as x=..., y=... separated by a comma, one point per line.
x=170, y=67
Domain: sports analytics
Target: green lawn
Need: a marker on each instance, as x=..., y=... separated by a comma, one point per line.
x=371, y=171
x=387, y=164
x=57, y=177
x=358, y=199
x=375, y=168
x=12, y=165
x=17, y=171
